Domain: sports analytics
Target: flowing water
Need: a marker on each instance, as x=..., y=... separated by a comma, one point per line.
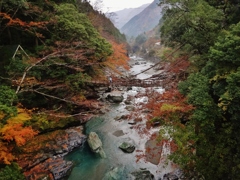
x=89, y=166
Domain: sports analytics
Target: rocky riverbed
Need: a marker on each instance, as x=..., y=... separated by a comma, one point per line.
x=43, y=158
x=131, y=150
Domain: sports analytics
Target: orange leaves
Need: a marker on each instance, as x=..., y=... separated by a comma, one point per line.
x=14, y=131
x=169, y=106
x=119, y=57
x=19, y=22
x=5, y=154
x=17, y=133
x=179, y=65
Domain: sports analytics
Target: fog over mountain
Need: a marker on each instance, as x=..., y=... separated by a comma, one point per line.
x=120, y=18
x=145, y=20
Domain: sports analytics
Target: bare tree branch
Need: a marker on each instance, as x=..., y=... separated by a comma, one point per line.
x=31, y=66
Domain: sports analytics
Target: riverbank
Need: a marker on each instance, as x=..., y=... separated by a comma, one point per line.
x=124, y=122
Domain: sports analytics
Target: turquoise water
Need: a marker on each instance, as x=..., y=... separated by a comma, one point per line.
x=88, y=166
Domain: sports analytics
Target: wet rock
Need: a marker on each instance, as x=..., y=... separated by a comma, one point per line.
x=53, y=168
x=114, y=174
x=143, y=174
x=170, y=177
x=95, y=144
x=43, y=157
x=154, y=150
x=130, y=108
x=175, y=175
x=118, y=133
x=129, y=88
x=132, y=123
x=125, y=116
x=127, y=147
x=115, y=98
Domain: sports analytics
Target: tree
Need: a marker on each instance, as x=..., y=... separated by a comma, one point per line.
x=11, y=172
x=213, y=90
x=194, y=23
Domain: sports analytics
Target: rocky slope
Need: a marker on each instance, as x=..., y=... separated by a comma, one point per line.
x=44, y=157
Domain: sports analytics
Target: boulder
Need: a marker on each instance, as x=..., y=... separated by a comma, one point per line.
x=175, y=175
x=114, y=174
x=153, y=149
x=130, y=108
x=95, y=144
x=143, y=174
x=115, y=98
x=118, y=133
x=127, y=147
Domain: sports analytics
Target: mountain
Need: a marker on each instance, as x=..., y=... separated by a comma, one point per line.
x=144, y=21
x=120, y=18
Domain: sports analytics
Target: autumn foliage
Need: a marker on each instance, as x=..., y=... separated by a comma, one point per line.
x=14, y=132
x=169, y=106
x=118, y=58
x=17, y=133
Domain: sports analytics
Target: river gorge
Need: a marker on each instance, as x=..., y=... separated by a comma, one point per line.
x=117, y=126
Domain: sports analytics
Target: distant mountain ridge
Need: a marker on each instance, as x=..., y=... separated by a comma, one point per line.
x=121, y=17
x=146, y=20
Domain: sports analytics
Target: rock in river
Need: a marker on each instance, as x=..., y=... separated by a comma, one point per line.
x=127, y=147
x=95, y=144
x=143, y=174
x=115, y=97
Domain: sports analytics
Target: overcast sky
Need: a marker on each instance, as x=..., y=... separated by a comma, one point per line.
x=115, y=5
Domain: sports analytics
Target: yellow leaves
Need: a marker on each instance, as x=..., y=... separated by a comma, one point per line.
x=22, y=116
x=170, y=107
x=224, y=101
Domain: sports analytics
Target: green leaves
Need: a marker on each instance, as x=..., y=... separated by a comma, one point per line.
x=11, y=172
x=74, y=26
x=193, y=23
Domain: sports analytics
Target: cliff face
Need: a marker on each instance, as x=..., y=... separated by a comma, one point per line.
x=144, y=21
x=43, y=157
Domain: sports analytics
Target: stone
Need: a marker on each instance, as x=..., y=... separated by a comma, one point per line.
x=48, y=157
x=127, y=147
x=130, y=108
x=143, y=174
x=153, y=150
x=115, y=98
x=170, y=176
x=115, y=174
x=118, y=133
x=95, y=144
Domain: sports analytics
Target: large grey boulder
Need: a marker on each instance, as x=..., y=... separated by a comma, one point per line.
x=127, y=147
x=115, y=174
x=115, y=98
x=95, y=144
x=143, y=174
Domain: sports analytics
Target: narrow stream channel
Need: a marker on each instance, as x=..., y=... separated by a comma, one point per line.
x=89, y=166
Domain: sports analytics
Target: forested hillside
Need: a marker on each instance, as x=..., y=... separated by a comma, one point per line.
x=203, y=108
x=49, y=51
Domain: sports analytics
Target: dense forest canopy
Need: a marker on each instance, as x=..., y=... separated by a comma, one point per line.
x=206, y=121
x=49, y=51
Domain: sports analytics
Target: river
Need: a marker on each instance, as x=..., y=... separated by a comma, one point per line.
x=113, y=132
